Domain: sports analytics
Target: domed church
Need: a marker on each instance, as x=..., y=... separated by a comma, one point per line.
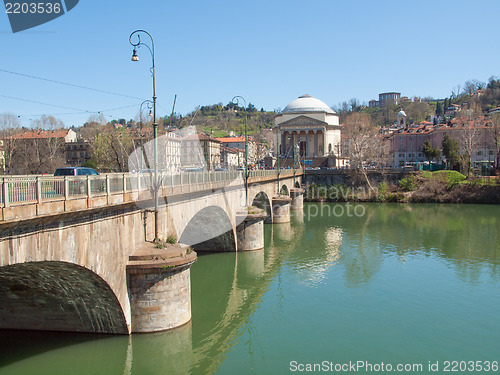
x=309, y=128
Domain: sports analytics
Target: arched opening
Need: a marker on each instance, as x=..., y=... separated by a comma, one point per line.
x=209, y=230
x=58, y=296
x=297, y=184
x=262, y=201
x=284, y=190
x=329, y=147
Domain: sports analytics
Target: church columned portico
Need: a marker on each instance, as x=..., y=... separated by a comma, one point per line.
x=310, y=143
x=309, y=128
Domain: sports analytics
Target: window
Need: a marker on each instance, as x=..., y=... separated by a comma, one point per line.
x=401, y=155
x=479, y=153
x=329, y=147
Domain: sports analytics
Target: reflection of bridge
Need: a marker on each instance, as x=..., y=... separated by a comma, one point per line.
x=66, y=243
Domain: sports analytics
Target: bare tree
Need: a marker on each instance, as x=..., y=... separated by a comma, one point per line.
x=469, y=121
x=9, y=126
x=49, y=148
x=494, y=130
x=112, y=148
x=365, y=143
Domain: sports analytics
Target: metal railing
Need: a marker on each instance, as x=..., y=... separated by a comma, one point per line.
x=18, y=190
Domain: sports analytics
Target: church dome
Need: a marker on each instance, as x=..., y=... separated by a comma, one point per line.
x=307, y=103
x=401, y=113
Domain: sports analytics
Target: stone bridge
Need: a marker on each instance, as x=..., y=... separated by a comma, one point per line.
x=76, y=254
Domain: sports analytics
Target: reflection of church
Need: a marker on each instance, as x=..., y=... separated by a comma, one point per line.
x=309, y=129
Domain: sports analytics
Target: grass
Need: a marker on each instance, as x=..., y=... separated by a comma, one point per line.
x=171, y=239
x=451, y=178
x=408, y=183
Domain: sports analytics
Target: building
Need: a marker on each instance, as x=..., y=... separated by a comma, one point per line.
x=66, y=135
x=200, y=151
x=256, y=150
x=308, y=129
x=405, y=145
x=387, y=98
x=231, y=157
x=37, y=151
x=77, y=153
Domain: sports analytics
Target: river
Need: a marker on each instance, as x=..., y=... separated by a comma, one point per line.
x=413, y=287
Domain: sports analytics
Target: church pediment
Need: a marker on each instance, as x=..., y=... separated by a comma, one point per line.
x=302, y=121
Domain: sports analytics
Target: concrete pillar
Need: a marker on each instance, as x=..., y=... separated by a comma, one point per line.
x=297, y=196
x=250, y=232
x=281, y=209
x=283, y=143
x=306, y=152
x=159, y=287
x=315, y=143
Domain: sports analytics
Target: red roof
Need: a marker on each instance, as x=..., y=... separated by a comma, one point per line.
x=233, y=139
x=37, y=134
x=201, y=137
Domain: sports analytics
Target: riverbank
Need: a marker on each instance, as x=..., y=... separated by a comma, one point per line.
x=417, y=187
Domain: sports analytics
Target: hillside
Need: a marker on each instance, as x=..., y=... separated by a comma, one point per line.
x=220, y=121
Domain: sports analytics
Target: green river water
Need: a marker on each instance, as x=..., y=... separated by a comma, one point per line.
x=414, y=286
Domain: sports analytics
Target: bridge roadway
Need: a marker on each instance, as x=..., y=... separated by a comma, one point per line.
x=67, y=245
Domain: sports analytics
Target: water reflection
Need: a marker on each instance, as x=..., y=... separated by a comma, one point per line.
x=317, y=254
x=466, y=237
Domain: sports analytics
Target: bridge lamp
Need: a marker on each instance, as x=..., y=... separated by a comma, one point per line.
x=136, y=35
x=236, y=101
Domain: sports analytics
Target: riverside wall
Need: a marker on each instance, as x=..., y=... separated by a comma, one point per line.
x=328, y=177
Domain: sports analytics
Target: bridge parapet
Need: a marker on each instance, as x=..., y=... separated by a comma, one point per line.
x=24, y=197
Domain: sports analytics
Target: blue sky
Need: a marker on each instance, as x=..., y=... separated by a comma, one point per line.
x=269, y=52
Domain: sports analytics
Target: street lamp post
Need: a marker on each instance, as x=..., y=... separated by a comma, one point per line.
x=137, y=34
x=149, y=105
x=236, y=100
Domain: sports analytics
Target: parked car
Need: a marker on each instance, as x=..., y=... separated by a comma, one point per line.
x=75, y=171
x=78, y=186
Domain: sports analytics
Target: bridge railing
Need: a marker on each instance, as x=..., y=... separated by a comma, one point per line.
x=18, y=190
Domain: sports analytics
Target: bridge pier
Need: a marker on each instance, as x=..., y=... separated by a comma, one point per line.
x=297, y=196
x=159, y=286
x=281, y=209
x=250, y=232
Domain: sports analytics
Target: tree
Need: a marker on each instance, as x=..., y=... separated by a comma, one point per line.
x=9, y=126
x=450, y=151
x=494, y=130
x=111, y=150
x=439, y=109
x=49, y=149
x=427, y=150
x=431, y=152
x=365, y=143
x=469, y=121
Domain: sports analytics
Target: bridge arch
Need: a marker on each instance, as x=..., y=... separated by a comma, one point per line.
x=58, y=296
x=297, y=184
x=210, y=229
x=261, y=200
x=284, y=190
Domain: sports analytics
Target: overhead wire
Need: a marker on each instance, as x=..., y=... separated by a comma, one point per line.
x=69, y=84
x=81, y=111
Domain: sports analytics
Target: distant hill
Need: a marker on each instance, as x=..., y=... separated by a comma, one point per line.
x=220, y=121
